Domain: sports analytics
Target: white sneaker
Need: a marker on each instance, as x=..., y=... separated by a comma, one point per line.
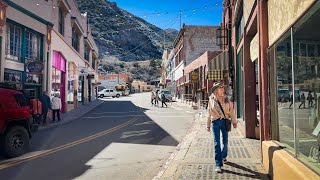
x=218, y=169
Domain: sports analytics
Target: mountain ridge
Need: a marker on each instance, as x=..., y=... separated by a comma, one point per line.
x=120, y=34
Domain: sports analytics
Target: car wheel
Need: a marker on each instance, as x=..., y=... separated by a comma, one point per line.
x=113, y=96
x=118, y=95
x=16, y=141
x=101, y=96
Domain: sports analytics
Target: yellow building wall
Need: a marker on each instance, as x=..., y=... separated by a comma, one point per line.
x=282, y=14
x=247, y=8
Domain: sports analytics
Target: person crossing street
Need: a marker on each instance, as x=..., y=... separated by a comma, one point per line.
x=163, y=99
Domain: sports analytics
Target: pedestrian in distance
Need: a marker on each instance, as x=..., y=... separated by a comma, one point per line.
x=153, y=97
x=310, y=100
x=157, y=97
x=303, y=101
x=56, y=107
x=315, y=97
x=45, y=103
x=163, y=99
x=291, y=100
x=220, y=112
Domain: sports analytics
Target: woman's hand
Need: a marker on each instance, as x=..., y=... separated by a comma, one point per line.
x=234, y=125
x=208, y=129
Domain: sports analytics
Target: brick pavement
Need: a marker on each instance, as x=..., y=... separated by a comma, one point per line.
x=194, y=156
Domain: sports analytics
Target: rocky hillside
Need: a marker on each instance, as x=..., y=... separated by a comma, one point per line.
x=120, y=34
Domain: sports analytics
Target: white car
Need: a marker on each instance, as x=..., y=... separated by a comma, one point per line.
x=108, y=93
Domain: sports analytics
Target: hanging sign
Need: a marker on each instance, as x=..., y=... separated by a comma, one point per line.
x=194, y=76
x=35, y=67
x=90, y=76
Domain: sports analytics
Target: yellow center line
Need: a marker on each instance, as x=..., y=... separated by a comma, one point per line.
x=65, y=146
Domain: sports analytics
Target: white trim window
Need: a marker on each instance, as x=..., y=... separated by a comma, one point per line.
x=13, y=42
x=32, y=46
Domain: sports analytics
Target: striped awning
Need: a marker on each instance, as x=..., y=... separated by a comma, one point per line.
x=217, y=74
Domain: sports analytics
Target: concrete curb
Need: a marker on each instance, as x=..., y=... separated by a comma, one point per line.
x=73, y=114
x=183, y=146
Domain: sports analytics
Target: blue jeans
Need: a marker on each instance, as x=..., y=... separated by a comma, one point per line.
x=217, y=126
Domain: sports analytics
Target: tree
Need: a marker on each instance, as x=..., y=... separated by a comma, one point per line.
x=153, y=64
x=108, y=67
x=136, y=65
x=121, y=65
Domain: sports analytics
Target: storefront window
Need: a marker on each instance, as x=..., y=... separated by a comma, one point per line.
x=239, y=72
x=34, y=79
x=12, y=76
x=56, y=82
x=298, y=88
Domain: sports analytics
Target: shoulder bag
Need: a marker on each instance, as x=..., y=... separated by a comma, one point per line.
x=228, y=121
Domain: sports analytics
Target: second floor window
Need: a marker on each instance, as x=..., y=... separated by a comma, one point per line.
x=75, y=39
x=32, y=46
x=93, y=63
x=86, y=52
x=13, y=42
x=61, y=21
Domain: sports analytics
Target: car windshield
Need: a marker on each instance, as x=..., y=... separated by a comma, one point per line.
x=166, y=92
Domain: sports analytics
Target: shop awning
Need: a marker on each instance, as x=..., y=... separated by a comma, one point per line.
x=217, y=74
x=220, y=62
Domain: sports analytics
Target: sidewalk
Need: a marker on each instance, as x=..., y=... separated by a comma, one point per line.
x=73, y=114
x=194, y=156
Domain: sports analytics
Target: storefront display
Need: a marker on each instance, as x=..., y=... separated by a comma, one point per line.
x=296, y=61
x=58, y=86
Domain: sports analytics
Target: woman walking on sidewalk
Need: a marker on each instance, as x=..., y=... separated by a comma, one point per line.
x=219, y=113
x=56, y=107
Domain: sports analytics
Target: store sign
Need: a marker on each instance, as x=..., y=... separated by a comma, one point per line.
x=83, y=71
x=90, y=76
x=35, y=67
x=194, y=76
x=72, y=77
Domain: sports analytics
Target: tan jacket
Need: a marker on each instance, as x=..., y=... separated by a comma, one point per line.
x=214, y=110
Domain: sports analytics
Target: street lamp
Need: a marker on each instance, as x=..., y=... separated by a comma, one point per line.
x=3, y=7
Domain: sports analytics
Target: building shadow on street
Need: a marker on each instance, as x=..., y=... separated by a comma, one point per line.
x=143, y=130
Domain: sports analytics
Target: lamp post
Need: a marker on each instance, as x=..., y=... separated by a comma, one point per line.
x=3, y=7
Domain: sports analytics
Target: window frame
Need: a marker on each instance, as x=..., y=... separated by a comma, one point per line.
x=29, y=54
x=86, y=51
x=75, y=39
x=11, y=42
x=61, y=21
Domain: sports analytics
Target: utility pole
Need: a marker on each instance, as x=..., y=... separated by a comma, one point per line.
x=180, y=18
x=164, y=41
x=229, y=37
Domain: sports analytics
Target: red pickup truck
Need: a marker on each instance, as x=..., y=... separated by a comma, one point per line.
x=16, y=122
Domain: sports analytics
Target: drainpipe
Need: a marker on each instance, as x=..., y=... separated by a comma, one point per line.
x=229, y=39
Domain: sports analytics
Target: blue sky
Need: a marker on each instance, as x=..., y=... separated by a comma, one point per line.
x=165, y=13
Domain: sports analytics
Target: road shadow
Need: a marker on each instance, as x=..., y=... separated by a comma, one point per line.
x=143, y=130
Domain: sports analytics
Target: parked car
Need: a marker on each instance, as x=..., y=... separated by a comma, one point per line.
x=167, y=94
x=108, y=93
x=16, y=122
x=100, y=88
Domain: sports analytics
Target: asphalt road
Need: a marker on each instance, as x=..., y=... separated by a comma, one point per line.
x=123, y=138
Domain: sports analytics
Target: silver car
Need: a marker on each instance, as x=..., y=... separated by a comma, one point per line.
x=167, y=94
